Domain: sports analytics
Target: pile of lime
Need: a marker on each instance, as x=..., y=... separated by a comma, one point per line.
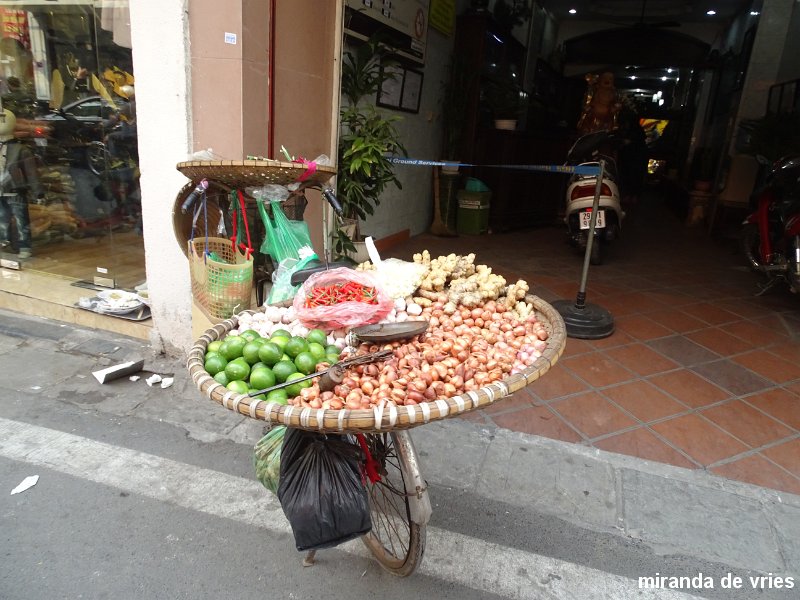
x=248, y=362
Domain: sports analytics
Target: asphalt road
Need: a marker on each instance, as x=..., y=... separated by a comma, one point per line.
x=132, y=508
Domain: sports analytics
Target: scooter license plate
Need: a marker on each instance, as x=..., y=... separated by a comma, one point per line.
x=586, y=218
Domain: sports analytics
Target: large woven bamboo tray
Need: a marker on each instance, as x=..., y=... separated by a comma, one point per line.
x=240, y=174
x=384, y=418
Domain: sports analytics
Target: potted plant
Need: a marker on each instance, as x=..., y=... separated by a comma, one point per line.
x=506, y=100
x=511, y=13
x=367, y=139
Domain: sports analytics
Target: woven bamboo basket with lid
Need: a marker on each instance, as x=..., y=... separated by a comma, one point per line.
x=383, y=418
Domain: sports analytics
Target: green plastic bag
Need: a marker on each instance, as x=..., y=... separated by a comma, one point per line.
x=285, y=238
x=267, y=458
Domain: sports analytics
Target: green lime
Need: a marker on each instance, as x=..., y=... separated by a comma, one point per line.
x=332, y=350
x=278, y=397
x=250, y=334
x=283, y=369
x=222, y=378
x=215, y=363
x=331, y=358
x=295, y=346
x=250, y=352
x=258, y=365
x=280, y=340
x=237, y=370
x=316, y=350
x=261, y=379
x=259, y=396
x=281, y=333
x=232, y=347
x=317, y=336
x=286, y=357
x=238, y=386
x=214, y=346
x=261, y=340
x=294, y=389
x=270, y=353
x=305, y=362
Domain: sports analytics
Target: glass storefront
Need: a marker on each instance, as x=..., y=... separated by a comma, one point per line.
x=70, y=203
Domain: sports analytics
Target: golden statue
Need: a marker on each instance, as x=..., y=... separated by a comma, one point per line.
x=601, y=104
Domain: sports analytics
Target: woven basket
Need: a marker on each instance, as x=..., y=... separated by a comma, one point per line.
x=383, y=418
x=220, y=288
x=240, y=174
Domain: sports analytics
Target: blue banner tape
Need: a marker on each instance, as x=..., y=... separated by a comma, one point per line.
x=568, y=169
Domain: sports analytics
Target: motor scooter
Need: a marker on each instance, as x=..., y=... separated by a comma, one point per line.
x=770, y=236
x=589, y=150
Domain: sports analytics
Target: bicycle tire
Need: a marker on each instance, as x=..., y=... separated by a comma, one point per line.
x=396, y=542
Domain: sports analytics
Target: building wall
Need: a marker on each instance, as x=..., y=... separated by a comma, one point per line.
x=790, y=63
x=159, y=31
x=412, y=207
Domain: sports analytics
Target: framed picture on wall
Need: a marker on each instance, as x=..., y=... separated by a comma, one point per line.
x=402, y=89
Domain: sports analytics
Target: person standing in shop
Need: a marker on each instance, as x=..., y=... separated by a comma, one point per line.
x=18, y=178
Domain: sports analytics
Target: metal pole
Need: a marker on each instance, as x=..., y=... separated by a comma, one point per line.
x=580, y=301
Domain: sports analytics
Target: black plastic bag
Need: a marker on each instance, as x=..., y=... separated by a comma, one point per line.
x=321, y=489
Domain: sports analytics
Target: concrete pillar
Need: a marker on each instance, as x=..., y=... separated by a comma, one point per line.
x=765, y=60
x=159, y=32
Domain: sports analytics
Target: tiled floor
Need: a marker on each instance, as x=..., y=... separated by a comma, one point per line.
x=700, y=372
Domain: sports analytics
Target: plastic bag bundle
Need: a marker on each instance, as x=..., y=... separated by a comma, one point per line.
x=285, y=238
x=267, y=458
x=341, y=314
x=321, y=490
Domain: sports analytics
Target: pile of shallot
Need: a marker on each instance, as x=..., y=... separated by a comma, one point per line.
x=462, y=350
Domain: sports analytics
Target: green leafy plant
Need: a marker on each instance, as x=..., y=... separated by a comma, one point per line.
x=504, y=98
x=510, y=13
x=367, y=139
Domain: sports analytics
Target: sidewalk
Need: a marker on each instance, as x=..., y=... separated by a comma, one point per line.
x=669, y=509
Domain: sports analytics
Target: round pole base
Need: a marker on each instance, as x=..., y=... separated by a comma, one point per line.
x=592, y=322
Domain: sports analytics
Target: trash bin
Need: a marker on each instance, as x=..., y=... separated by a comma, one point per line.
x=473, y=212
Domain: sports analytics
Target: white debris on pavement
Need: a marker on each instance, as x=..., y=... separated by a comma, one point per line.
x=27, y=483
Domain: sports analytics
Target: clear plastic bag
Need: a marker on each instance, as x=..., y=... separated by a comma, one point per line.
x=343, y=314
x=400, y=278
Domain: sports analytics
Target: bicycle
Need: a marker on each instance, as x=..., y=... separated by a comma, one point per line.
x=399, y=502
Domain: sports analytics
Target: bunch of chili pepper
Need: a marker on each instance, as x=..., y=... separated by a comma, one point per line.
x=337, y=293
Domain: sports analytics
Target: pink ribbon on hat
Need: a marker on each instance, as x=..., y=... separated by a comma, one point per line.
x=311, y=168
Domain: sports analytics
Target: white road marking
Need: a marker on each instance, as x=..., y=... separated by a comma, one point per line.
x=449, y=556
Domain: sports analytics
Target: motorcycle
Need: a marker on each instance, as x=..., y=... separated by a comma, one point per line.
x=587, y=151
x=770, y=236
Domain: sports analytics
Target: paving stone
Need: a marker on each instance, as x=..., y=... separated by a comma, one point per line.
x=679, y=517
x=786, y=520
x=573, y=487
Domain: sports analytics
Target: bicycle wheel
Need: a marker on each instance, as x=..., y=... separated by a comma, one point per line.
x=396, y=541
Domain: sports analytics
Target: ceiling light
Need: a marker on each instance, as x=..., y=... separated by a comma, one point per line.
x=754, y=13
x=669, y=70
x=664, y=78
x=711, y=12
x=572, y=11
x=661, y=102
x=633, y=76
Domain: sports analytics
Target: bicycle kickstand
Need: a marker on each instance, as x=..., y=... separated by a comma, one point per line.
x=309, y=561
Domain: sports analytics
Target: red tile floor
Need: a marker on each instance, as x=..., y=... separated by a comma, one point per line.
x=700, y=372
